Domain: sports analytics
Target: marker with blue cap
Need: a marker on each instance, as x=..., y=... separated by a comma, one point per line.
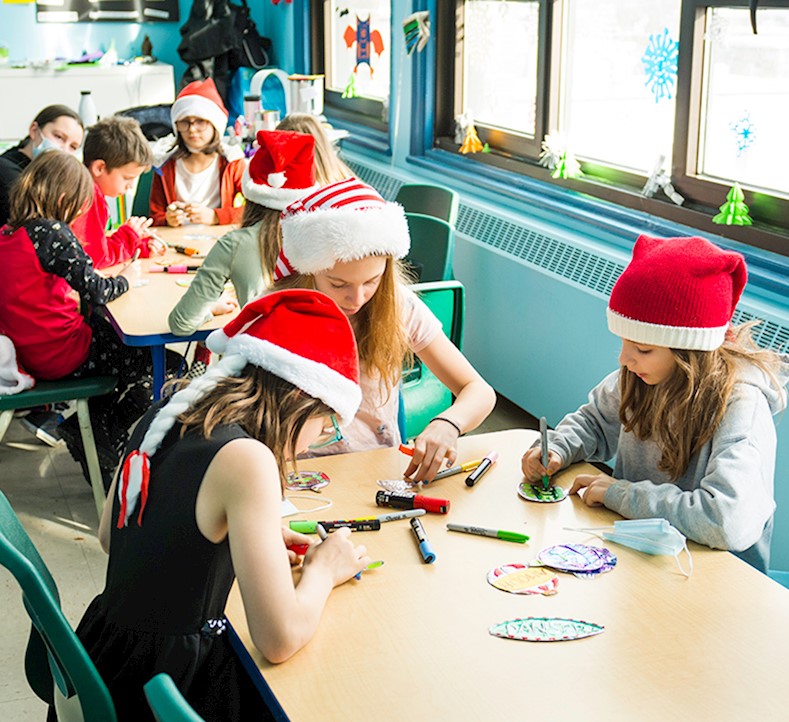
x=428, y=555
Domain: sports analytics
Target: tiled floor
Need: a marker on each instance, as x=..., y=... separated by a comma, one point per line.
x=55, y=505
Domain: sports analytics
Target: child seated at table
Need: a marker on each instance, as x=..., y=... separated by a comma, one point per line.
x=214, y=458
x=44, y=276
x=689, y=413
x=116, y=153
x=199, y=183
x=346, y=241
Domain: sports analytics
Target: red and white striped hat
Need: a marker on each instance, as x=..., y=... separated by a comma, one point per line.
x=343, y=221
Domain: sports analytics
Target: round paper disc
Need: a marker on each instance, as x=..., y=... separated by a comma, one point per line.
x=522, y=579
x=535, y=492
x=307, y=480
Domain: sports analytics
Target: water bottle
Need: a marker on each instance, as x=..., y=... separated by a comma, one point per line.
x=87, y=109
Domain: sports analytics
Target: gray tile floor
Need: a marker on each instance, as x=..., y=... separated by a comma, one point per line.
x=55, y=505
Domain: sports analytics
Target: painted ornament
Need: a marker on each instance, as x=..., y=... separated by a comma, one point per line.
x=523, y=579
x=545, y=629
x=535, y=492
x=471, y=143
x=307, y=481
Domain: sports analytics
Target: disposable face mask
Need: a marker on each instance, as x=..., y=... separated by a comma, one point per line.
x=651, y=536
x=45, y=145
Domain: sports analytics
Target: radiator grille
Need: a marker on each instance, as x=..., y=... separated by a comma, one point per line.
x=558, y=257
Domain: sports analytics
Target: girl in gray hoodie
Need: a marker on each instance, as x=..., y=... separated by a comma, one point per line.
x=688, y=415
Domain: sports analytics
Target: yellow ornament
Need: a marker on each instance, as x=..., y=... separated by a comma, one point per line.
x=471, y=143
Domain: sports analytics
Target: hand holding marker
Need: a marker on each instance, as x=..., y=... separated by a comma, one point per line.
x=324, y=536
x=546, y=480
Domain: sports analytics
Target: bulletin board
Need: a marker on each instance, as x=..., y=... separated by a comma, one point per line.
x=125, y=11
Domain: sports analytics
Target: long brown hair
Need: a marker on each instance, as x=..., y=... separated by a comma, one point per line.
x=55, y=186
x=269, y=235
x=328, y=167
x=265, y=406
x=182, y=150
x=682, y=413
x=380, y=332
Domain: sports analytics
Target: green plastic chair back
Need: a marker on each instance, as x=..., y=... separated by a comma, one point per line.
x=142, y=196
x=166, y=701
x=423, y=395
x=57, y=666
x=432, y=247
x=429, y=200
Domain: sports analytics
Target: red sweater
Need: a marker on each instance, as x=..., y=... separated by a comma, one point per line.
x=42, y=263
x=230, y=175
x=106, y=250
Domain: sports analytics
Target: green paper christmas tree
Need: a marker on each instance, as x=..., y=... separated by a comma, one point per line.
x=350, y=89
x=734, y=212
x=567, y=167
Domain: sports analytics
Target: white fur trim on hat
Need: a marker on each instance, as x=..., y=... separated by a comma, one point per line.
x=316, y=240
x=13, y=380
x=198, y=106
x=652, y=334
x=265, y=195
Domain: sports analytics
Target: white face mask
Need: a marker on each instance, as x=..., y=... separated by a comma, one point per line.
x=651, y=536
x=45, y=145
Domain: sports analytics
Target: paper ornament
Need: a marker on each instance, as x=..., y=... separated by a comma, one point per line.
x=307, y=480
x=573, y=557
x=523, y=579
x=660, y=180
x=545, y=629
x=734, y=212
x=536, y=492
x=567, y=167
x=416, y=28
x=471, y=143
x=366, y=40
x=350, y=89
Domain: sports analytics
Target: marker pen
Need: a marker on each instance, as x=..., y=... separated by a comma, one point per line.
x=407, y=450
x=407, y=514
x=174, y=268
x=300, y=549
x=310, y=527
x=459, y=469
x=546, y=481
x=495, y=533
x=412, y=501
x=424, y=545
x=371, y=565
x=321, y=531
x=484, y=465
x=186, y=250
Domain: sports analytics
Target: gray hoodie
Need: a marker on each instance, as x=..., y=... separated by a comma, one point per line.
x=725, y=497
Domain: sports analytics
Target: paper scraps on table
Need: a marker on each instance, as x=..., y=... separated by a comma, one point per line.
x=578, y=559
x=522, y=579
x=535, y=492
x=307, y=481
x=398, y=486
x=545, y=629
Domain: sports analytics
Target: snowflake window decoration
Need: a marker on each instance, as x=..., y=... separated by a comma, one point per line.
x=745, y=132
x=660, y=64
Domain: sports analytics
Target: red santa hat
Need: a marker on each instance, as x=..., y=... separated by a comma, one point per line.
x=300, y=335
x=13, y=379
x=200, y=99
x=678, y=293
x=343, y=221
x=282, y=169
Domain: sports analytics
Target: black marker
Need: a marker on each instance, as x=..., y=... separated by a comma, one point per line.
x=484, y=465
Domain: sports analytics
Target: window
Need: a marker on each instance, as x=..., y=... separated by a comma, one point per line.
x=627, y=88
x=354, y=38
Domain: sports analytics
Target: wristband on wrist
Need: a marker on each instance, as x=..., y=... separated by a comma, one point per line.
x=451, y=423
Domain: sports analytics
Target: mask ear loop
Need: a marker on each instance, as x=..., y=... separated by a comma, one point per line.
x=325, y=503
x=689, y=573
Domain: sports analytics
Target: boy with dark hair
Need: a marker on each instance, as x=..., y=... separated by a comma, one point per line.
x=116, y=153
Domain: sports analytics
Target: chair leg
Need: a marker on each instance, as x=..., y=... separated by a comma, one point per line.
x=91, y=456
x=5, y=420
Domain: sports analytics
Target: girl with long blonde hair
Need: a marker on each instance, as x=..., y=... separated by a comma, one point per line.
x=347, y=242
x=689, y=414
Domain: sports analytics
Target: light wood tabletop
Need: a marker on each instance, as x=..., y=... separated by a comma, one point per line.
x=410, y=641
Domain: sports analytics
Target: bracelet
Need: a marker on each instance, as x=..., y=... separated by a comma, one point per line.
x=451, y=423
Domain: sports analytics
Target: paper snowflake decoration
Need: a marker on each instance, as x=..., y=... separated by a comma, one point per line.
x=660, y=64
x=744, y=131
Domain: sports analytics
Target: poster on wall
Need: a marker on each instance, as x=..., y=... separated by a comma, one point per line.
x=126, y=11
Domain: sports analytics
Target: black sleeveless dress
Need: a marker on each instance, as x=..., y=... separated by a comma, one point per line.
x=163, y=606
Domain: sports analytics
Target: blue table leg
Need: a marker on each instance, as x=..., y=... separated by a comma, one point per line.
x=158, y=359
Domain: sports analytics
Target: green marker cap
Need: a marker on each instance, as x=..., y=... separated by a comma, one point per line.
x=512, y=536
x=304, y=527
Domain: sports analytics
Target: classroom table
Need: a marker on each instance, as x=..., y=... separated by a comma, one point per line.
x=410, y=641
x=140, y=316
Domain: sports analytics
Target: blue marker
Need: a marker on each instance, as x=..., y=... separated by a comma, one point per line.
x=424, y=545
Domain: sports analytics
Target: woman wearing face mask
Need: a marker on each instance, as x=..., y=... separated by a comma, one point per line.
x=56, y=127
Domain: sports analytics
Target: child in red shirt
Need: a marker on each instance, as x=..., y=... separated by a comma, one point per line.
x=116, y=153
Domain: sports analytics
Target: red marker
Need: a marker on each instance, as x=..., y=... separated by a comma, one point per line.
x=300, y=549
x=407, y=450
x=412, y=501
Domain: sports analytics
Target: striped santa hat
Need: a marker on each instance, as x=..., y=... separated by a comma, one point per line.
x=343, y=221
x=299, y=335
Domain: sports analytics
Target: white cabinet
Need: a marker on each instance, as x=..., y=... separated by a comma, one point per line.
x=25, y=91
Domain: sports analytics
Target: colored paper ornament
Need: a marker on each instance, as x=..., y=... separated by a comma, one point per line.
x=416, y=28
x=545, y=629
x=660, y=64
x=567, y=167
x=350, y=89
x=307, y=480
x=552, y=149
x=573, y=557
x=523, y=579
x=609, y=562
x=486, y=148
x=365, y=39
x=734, y=212
x=535, y=492
x=658, y=180
x=471, y=143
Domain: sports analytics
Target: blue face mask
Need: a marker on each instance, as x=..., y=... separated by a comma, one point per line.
x=45, y=145
x=651, y=536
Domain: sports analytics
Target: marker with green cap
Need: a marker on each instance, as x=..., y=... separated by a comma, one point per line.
x=304, y=526
x=511, y=536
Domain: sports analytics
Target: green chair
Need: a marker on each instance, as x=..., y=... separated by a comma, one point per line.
x=429, y=200
x=166, y=701
x=142, y=196
x=52, y=392
x=432, y=247
x=57, y=666
x=423, y=395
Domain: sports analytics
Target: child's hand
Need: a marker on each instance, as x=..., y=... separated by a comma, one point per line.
x=225, y=304
x=291, y=537
x=156, y=246
x=532, y=467
x=200, y=214
x=175, y=214
x=338, y=555
x=139, y=224
x=596, y=486
x=439, y=441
